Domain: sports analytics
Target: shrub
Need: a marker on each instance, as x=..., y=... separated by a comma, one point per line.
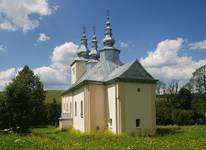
x=182, y=117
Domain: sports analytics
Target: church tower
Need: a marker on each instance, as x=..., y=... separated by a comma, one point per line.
x=109, y=52
x=78, y=67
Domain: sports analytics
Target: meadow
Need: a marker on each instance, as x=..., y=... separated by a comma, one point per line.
x=167, y=138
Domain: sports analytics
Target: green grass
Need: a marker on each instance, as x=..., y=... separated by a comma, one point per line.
x=50, y=94
x=167, y=138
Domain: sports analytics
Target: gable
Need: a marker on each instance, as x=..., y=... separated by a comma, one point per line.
x=136, y=71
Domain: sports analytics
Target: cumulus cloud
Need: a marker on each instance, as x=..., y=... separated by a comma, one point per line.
x=165, y=63
x=64, y=54
x=2, y=48
x=54, y=76
x=7, y=26
x=19, y=14
x=57, y=75
x=43, y=37
x=123, y=44
x=6, y=76
x=198, y=45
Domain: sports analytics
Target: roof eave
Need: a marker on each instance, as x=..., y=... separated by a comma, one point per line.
x=80, y=85
x=132, y=80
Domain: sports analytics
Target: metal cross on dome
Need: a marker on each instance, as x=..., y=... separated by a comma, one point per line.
x=108, y=12
x=84, y=29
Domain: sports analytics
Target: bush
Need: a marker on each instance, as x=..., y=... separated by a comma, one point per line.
x=163, y=112
x=53, y=111
x=182, y=117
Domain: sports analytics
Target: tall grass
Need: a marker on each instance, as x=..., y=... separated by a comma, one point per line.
x=167, y=137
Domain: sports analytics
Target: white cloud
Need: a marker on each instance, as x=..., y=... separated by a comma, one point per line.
x=54, y=76
x=165, y=63
x=2, y=48
x=123, y=44
x=64, y=54
x=18, y=14
x=7, y=26
x=57, y=75
x=198, y=45
x=43, y=37
x=6, y=76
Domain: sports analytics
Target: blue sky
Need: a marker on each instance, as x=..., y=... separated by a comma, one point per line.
x=178, y=26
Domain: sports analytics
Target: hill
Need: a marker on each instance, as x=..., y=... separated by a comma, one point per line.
x=51, y=94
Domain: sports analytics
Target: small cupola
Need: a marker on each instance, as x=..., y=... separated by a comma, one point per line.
x=108, y=40
x=109, y=52
x=83, y=47
x=94, y=53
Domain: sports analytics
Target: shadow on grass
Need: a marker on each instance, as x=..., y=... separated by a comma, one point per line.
x=168, y=130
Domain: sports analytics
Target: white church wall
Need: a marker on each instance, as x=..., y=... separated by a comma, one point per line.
x=78, y=101
x=77, y=70
x=112, y=108
x=66, y=104
x=137, y=102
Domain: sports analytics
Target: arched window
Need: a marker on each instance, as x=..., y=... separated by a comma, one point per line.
x=70, y=107
x=75, y=105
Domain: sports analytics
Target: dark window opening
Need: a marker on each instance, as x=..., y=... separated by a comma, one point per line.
x=70, y=107
x=75, y=108
x=137, y=122
x=110, y=122
x=97, y=128
x=81, y=114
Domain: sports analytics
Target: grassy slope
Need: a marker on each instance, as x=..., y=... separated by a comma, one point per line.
x=50, y=94
x=169, y=138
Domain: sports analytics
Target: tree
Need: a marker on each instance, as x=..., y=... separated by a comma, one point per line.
x=4, y=113
x=53, y=112
x=163, y=112
x=160, y=88
x=183, y=99
x=198, y=80
x=25, y=100
x=199, y=109
x=173, y=87
x=181, y=117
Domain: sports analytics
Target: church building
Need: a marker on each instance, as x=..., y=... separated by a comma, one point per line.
x=107, y=94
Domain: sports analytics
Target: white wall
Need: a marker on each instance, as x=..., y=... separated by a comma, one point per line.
x=112, y=107
x=138, y=105
x=66, y=101
x=77, y=70
x=78, y=121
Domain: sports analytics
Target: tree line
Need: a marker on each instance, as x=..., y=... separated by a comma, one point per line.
x=184, y=106
x=22, y=104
